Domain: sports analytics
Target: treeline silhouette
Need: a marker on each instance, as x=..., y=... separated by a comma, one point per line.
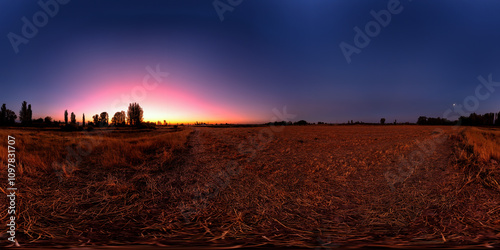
x=8, y=117
x=488, y=119
x=289, y=123
x=133, y=117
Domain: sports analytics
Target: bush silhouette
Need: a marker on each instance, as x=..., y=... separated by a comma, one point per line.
x=301, y=122
x=71, y=127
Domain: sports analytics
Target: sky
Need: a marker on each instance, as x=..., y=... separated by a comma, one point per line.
x=238, y=60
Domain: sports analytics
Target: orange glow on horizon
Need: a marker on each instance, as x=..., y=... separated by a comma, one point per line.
x=166, y=102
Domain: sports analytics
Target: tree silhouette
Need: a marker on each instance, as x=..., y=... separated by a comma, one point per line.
x=73, y=118
x=7, y=116
x=83, y=120
x=422, y=120
x=66, y=117
x=118, y=118
x=489, y=119
x=23, y=113
x=11, y=116
x=103, y=119
x=382, y=121
x=115, y=118
x=29, y=115
x=48, y=119
x=124, y=117
x=3, y=115
x=96, y=119
x=134, y=114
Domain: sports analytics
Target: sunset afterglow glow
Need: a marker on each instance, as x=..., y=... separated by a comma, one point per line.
x=238, y=70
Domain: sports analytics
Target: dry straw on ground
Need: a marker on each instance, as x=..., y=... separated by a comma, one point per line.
x=307, y=186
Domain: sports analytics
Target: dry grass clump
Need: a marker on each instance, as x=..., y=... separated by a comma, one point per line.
x=89, y=187
x=35, y=151
x=478, y=153
x=485, y=143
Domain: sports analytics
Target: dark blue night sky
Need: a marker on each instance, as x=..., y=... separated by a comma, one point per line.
x=264, y=54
